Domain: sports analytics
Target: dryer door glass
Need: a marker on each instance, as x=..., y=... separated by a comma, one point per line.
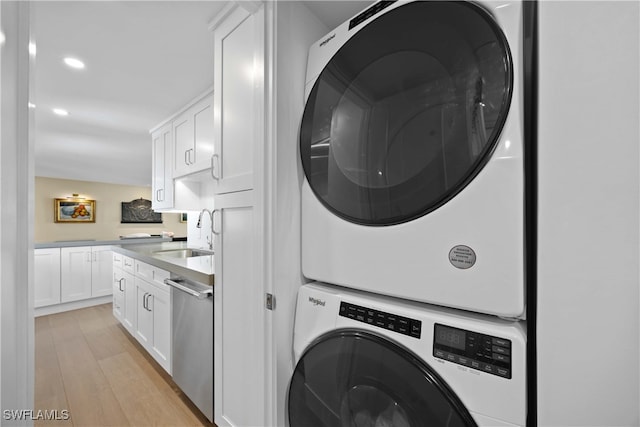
x=407, y=112
x=354, y=379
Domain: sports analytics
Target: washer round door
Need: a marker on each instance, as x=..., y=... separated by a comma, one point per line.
x=407, y=112
x=358, y=379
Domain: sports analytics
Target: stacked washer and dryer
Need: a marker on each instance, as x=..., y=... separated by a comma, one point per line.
x=413, y=220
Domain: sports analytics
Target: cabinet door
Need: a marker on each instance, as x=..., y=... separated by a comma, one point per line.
x=202, y=113
x=75, y=273
x=144, y=316
x=118, y=295
x=159, y=304
x=130, y=302
x=240, y=362
x=238, y=88
x=101, y=271
x=162, y=184
x=183, y=144
x=46, y=277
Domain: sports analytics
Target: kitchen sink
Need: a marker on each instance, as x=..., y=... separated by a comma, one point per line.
x=183, y=253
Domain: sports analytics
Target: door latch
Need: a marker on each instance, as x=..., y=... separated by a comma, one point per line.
x=270, y=302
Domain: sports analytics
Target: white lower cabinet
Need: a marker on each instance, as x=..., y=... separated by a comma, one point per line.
x=124, y=295
x=101, y=270
x=142, y=303
x=118, y=295
x=153, y=327
x=46, y=266
x=85, y=272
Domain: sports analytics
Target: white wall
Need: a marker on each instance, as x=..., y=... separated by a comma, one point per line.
x=588, y=257
x=297, y=29
x=16, y=233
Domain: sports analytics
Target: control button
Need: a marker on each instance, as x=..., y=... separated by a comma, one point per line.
x=360, y=317
x=500, y=357
x=501, y=350
x=489, y=368
x=503, y=372
x=371, y=313
x=451, y=357
x=415, y=328
x=369, y=319
x=403, y=329
x=380, y=323
x=343, y=308
x=476, y=365
x=502, y=342
x=439, y=353
x=464, y=361
x=391, y=326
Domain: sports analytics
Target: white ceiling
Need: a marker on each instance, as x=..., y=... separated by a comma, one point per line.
x=144, y=61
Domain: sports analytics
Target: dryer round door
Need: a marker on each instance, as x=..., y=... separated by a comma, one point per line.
x=407, y=112
x=358, y=379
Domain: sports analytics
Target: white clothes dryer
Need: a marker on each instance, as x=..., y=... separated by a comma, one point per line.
x=366, y=360
x=411, y=143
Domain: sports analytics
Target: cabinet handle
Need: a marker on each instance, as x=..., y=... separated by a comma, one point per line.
x=215, y=161
x=191, y=151
x=144, y=300
x=161, y=196
x=213, y=221
x=148, y=297
x=186, y=153
x=120, y=285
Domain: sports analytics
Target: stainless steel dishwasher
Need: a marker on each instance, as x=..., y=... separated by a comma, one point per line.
x=192, y=355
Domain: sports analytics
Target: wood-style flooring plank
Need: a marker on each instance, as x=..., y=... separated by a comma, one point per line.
x=88, y=363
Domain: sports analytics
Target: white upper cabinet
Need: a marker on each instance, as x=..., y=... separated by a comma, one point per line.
x=193, y=138
x=162, y=183
x=238, y=106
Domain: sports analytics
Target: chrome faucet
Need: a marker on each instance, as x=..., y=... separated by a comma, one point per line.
x=199, y=224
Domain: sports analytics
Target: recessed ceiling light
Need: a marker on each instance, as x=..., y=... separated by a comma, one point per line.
x=61, y=112
x=32, y=49
x=74, y=63
x=31, y=105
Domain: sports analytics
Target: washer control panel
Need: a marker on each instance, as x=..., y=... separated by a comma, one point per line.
x=484, y=353
x=381, y=319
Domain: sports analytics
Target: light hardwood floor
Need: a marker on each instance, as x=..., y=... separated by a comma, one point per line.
x=88, y=364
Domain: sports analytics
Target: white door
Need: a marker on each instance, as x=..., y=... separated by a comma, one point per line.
x=162, y=184
x=101, y=271
x=203, y=134
x=118, y=295
x=130, y=302
x=238, y=88
x=46, y=277
x=182, y=143
x=240, y=362
x=75, y=273
x=144, y=315
x=159, y=304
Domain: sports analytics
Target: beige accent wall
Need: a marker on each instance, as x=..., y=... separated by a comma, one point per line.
x=108, y=199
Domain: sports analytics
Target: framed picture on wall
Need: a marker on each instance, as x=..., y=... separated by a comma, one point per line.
x=66, y=210
x=183, y=217
x=139, y=211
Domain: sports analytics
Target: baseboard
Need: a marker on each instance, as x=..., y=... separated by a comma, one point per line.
x=74, y=305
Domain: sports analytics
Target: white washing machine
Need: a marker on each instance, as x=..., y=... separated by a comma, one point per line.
x=364, y=360
x=411, y=143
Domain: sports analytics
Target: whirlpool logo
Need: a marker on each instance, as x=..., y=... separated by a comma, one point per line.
x=327, y=40
x=316, y=301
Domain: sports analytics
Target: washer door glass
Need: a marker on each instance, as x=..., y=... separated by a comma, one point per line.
x=357, y=379
x=407, y=112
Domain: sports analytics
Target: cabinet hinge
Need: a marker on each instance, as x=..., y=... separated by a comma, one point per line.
x=270, y=302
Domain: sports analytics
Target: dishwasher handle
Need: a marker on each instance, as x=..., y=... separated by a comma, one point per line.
x=178, y=284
